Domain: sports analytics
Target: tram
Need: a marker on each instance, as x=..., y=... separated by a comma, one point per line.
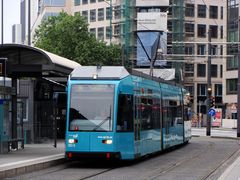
x=113, y=113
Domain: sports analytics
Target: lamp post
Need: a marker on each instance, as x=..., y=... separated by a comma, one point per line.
x=209, y=85
x=2, y=24
x=29, y=22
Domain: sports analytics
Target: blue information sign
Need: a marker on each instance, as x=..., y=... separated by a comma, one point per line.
x=211, y=112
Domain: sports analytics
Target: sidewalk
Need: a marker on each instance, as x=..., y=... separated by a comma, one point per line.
x=32, y=157
x=215, y=132
x=232, y=172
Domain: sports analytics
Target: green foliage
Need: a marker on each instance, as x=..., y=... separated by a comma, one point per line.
x=68, y=36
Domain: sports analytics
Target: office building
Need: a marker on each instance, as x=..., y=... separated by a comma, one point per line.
x=17, y=33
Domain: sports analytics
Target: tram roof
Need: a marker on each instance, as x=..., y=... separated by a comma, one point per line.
x=28, y=61
x=111, y=72
x=99, y=72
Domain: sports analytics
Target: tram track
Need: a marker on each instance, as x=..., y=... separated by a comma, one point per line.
x=97, y=174
x=65, y=168
x=212, y=174
x=224, y=163
x=204, y=158
x=159, y=172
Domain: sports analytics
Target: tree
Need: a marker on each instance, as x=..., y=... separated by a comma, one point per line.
x=68, y=36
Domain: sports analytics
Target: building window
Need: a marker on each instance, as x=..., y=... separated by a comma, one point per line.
x=233, y=36
x=189, y=67
x=214, y=31
x=233, y=12
x=189, y=49
x=92, y=1
x=54, y=2
x=108, y=13
x=84, y=1
x=202, y=11
x=93, y=15
x=117, y=12
x=213, y=12
x=85, y=15
x=232, y=63
x=201, y=30
x=221, y=32
x=76, y=2
x=201, y=70
x=214, y=49
x=189, y=11
x=221, y=71
x=221, y=49
x=189, y=28
x=117, y=30
x=214, y=70
x=221, y=12
x=108, y=32
x=202, y=89
x=101, y=33
x=232, y=86
x=218, y=90
x=201, y=49
x=93, y=31
x=190, y=89
x=232, y=49
x=101, y=14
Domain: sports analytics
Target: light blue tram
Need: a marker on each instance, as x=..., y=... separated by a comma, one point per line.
x=116, y=113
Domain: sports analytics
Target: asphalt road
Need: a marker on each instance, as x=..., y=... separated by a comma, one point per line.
x=202, y=158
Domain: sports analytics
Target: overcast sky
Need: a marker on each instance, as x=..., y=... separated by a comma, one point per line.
x=11, y=16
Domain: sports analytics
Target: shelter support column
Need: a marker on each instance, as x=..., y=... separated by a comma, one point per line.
x=14, y=112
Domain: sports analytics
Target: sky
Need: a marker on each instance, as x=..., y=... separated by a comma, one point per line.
x=11, y=16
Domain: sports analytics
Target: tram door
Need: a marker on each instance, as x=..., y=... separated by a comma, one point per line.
x=137, y=124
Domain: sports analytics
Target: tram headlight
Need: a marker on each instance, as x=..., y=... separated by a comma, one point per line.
x=72, y=141
x=107, y=141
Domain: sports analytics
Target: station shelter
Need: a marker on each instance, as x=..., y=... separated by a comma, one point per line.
x=32, y=95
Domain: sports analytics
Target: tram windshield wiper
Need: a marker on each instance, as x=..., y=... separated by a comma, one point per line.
x=103, y=121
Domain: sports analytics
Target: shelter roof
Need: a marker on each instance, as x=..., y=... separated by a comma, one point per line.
x=27, y=61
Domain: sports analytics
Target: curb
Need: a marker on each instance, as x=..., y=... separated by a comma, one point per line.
x=224, y=137
x=219, y=137
x=26, y=166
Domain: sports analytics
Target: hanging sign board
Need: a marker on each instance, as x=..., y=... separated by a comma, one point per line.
x=152, y=3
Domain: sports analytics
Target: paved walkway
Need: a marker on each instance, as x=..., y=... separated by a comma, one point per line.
x=32, y=157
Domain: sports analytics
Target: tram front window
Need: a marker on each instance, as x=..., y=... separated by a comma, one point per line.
x=91, y=107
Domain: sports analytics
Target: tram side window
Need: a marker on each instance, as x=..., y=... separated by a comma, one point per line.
x=125, y=113
x=146, y=113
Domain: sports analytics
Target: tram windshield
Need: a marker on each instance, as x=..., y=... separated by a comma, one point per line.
x=91, y=107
